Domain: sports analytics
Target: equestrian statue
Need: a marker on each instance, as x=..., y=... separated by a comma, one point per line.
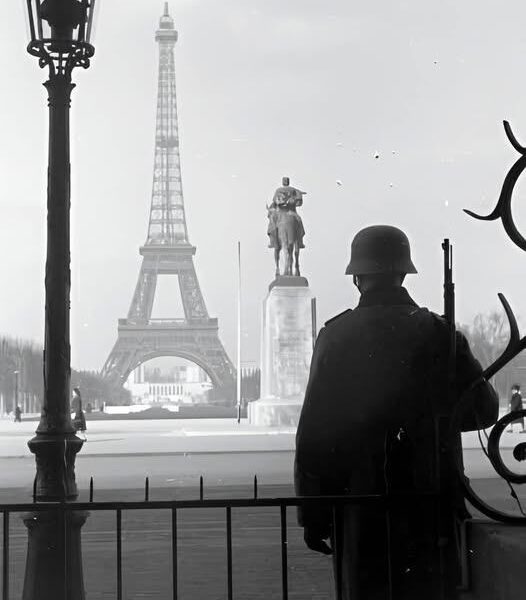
x=285, y=227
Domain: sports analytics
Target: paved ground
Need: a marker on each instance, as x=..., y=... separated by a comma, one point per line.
x=174, y=453
x=169, y=436
x=169, y=472
x=172, y=436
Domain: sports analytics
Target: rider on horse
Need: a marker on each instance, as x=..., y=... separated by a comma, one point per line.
x=286, y=198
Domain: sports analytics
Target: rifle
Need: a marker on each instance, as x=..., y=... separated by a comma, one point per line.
x=449, y=310
x=443, y=430
x=442, y=421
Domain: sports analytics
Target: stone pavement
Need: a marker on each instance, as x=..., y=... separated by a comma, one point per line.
x=179, y=436
x=166, y=436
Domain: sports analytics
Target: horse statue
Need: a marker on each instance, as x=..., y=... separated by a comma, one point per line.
x=286, y=228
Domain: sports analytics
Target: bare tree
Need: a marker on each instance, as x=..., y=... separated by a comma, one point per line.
x=488, y=336
x=26, y=358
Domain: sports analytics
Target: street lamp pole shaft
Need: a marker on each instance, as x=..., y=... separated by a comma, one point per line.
x=54, y=559
x=57, y=369
x=55, y=444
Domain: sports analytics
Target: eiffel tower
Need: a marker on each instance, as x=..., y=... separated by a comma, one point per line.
x=167, y=251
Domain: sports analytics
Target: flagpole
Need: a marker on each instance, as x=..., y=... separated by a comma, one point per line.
x=238, y=390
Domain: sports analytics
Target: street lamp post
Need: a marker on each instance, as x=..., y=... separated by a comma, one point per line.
x=60, y=38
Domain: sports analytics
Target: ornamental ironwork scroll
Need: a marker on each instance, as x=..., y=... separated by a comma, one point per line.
x=61, y=60
x=515, y=345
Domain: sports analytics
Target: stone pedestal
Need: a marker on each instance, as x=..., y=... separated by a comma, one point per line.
x=287, y=339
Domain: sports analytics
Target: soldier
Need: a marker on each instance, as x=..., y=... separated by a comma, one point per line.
x=378, y=380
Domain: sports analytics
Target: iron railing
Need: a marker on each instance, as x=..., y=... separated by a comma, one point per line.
x=65, y=510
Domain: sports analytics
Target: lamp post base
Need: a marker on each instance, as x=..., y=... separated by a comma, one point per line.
x=54, y=556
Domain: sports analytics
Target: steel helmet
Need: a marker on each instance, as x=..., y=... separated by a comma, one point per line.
x=380, y=249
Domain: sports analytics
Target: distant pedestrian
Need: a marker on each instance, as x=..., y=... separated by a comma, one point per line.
x=76, y=400
x=516, y=404
x=79, y=420
x=18, y=414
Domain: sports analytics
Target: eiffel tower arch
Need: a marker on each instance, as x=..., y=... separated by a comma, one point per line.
x=167, y=251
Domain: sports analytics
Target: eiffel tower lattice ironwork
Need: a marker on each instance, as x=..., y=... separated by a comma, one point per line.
x=167, y=251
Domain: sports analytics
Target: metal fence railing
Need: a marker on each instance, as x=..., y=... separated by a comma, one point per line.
x=65, y=510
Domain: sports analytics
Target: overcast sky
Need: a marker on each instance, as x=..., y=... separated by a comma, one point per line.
x=311, y=89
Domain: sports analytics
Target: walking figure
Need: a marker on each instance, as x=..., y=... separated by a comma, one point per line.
x=378, y=383
x=18, y=414
x=516, y=404
x=79, y=420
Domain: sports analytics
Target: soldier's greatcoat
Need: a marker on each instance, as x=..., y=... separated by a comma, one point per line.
x=378, y=379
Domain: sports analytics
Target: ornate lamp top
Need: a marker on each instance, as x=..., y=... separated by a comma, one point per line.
x=61, y=33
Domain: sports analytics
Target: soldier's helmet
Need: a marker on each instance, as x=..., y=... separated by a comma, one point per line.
x=380, y=249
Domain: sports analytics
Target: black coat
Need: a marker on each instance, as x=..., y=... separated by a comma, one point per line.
x=516, y=404
x=378, y=378
x=516, y=401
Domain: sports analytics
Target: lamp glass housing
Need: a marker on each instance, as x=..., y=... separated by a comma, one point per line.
x=61, y=22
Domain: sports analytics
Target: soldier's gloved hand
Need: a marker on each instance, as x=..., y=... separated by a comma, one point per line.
x=314, y=538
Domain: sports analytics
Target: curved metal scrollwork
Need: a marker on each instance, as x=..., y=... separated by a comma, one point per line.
x=515, y=345
x=61, y=61
x=503, y=209
x=494, y=454
x=519, y=452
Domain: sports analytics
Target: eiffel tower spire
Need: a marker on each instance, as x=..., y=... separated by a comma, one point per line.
x=167, y=224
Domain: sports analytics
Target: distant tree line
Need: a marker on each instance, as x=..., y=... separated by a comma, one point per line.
x=488, y=336
x=250, y=389
x=96, y=390
x=26, y=357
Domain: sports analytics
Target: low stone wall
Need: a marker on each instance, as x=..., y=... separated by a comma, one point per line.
x=497, y=561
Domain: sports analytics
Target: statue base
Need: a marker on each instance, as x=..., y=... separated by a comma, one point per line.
x=288, y=281
x=275, y=412
x=287, y=338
